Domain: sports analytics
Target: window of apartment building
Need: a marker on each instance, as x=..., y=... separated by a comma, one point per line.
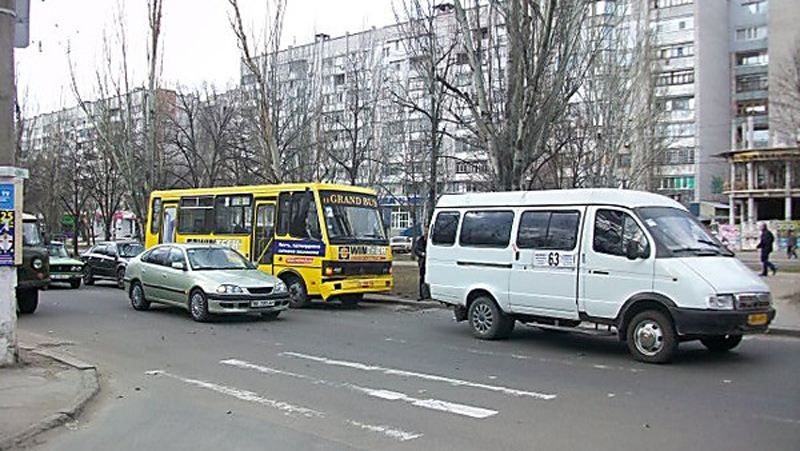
x=677, y=129
x=657, y=4
x=751, y=33
x=682, y=182
x=338, y=79
x=471, y=167
x=676, y=51
x=754, y=82
x=676, y=24
x=683, y=155
x=684, y=103
x=755, y=6
x=752, y=108
x=677, y=77
x=757, y=58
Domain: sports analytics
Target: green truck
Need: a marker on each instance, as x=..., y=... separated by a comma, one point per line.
x=34, y=272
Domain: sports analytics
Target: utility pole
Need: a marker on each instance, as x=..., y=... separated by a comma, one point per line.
x=10, y=187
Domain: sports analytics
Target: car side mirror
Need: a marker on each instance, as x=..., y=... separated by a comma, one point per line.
x=179, y=265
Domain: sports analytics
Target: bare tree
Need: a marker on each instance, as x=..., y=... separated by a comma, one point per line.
x=357, y=90
x=262, y=79
x=428, y=33
x=528, y=58
x=785, y=107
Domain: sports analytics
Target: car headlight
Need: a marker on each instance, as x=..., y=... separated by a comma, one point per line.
x=77, y=268
x=230, y=289
x=721, y=302
x=37, y=263
x=279, y=287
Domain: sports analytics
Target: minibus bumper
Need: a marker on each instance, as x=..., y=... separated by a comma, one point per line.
x=715, y=322
x=356, y=286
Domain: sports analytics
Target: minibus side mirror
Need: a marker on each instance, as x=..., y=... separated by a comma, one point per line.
x=633, y=251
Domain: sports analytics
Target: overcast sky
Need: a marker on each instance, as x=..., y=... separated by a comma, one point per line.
x=199, y=46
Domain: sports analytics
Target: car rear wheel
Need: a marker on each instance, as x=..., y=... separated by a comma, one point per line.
x=121, y=278
x=27, y=301
x=651, y=337
x=198, y=306
x=298, y=296
x=88, y=277
x=721, y=343
x=138, y=301
x=487, y=321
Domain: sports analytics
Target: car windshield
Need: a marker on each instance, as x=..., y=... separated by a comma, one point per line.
x=130, y=249
x=31, y=235
x=351, y=218
x=57, y=250
x=679, y=233
x=216, y=258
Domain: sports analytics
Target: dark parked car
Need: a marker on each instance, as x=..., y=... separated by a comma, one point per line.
x=108, y=260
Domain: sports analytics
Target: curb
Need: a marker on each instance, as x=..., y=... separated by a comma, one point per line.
x=783, y=331
x=89, y=388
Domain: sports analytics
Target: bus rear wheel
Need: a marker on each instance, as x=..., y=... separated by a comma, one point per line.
x=298, y=295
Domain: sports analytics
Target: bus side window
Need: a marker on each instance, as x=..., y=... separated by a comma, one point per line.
x=155, y=216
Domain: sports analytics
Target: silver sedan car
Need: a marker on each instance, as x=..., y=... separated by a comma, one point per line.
x=205, y=280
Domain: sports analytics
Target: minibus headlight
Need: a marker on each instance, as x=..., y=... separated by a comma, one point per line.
x=721, y=302
x=279, y=287
x=230, y=289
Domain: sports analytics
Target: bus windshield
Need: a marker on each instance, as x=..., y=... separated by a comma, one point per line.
x=352, y=218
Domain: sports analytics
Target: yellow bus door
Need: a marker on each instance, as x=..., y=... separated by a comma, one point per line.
x=264, y=233
x=169, y=223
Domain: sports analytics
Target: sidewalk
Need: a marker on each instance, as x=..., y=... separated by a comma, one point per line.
x=47, y=389
x=785, y=288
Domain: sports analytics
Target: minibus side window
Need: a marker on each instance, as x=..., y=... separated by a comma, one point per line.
x=486, y=229
x=552, y=230
x=444, y=229
x=614, y=230
x=297, y=215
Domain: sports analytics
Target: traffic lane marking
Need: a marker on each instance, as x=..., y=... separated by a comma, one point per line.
x=424, y=376
x=388, y=395
x=388, y=431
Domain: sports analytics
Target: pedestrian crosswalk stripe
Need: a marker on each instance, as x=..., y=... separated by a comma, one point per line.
x=424, y=376
x=389, y=395
x=244, y=395
x=388, y=431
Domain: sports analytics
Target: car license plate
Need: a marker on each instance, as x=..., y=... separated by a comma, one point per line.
x=59, y=276
x=262, y=303
x=757, y=319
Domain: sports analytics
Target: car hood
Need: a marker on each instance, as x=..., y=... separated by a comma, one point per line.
x=725, y=274
x=65, y=261
x=244, y=278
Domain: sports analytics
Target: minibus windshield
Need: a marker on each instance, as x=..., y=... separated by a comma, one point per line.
x=352, y=218
x=679, y=233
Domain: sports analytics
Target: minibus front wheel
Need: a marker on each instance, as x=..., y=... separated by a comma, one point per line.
x=487, y=321
x=651, y=337
x=298, y=295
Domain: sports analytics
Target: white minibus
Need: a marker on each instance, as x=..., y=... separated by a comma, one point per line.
x=633, y=261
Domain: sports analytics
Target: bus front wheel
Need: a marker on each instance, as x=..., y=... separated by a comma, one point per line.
x=298, y=295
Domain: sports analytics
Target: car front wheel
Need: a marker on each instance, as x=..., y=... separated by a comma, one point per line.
x=198, y=306
x=88, y=277
x=27, y=301
x=121, y=278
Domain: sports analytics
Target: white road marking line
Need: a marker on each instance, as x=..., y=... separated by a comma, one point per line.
x=543, y=359
x=389, y=395
x=424, y=376
x=778, y=419
x=395, y=340
x=244, y=395
x=389, y=431
x=433, y=404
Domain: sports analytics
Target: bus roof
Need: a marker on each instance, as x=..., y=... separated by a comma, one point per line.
x=595, y=196
x=270, y=189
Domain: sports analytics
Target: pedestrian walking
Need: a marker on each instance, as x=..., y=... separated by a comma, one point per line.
x=791, y=244
x=765, y=244
x=419, y=250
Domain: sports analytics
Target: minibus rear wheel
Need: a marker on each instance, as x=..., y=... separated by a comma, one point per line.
x=721, y=343
x=487, y=321
x=651, y=337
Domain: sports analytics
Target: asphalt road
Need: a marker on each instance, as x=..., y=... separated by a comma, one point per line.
x=385, y=377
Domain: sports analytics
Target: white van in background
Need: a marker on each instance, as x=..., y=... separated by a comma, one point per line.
x=635, y=261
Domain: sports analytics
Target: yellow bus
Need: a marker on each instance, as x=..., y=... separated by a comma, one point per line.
x=323, y=240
